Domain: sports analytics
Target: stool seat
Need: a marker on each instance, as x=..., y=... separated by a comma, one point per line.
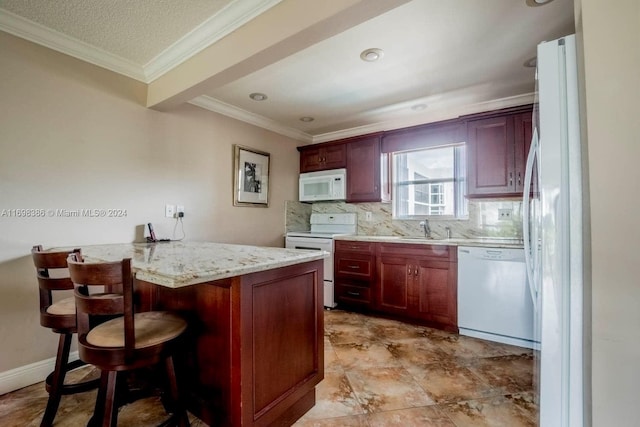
x=150, y=328
x=64, y=307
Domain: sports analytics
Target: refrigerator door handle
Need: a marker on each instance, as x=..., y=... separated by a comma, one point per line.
x=529, y=246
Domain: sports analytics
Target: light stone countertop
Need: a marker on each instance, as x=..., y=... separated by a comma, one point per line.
x=177, y=264
x=487, y=242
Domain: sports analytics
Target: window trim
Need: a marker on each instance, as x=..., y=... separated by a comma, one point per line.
x=459, y=165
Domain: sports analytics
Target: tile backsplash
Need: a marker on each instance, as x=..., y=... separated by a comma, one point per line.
x=483, y=221
x=298, y=215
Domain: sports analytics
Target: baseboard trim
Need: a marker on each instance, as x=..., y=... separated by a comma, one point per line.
x=27, y=375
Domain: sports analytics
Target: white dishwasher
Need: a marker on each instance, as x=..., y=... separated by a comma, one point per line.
x=494, y=302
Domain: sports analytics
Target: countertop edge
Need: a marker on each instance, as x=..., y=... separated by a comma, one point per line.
x=423, y=241
x=171, y=282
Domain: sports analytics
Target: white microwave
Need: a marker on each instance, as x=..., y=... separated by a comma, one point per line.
x=323, y=185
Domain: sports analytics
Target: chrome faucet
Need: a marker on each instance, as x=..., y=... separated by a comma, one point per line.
x=427, y=230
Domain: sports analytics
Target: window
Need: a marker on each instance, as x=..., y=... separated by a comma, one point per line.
x=430, y=181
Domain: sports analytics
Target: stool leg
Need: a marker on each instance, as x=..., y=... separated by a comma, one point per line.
x=180, y=411
x=57, y=380
x=98, y=411
x=110, y=415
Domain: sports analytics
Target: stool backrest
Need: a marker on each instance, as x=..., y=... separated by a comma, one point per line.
x=116, y=280
x=48, y=283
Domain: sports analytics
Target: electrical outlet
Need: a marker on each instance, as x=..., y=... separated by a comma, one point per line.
x=505, y=213
x=179, y=210
x=169, y=210
x=368, y=216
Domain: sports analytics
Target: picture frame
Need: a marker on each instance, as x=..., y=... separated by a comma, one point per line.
x=250, y=177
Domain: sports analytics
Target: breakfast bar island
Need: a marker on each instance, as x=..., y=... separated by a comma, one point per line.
x=253, y=353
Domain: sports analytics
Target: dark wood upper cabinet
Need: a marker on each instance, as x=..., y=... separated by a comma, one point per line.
x=497, y=153
x=523, y=127
x=363, y=169
x=322, y=157
x=498, y=144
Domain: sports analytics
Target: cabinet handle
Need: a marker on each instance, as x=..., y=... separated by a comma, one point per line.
x=355, y=294
x=519, y=178
x=416, y=272
x=510, y=178
x=410, y=273
x=353, y=266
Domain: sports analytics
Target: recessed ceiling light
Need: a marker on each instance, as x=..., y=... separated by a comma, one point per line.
x=531, y=62
x=371, y=55
x=535, y=3
x=258, y=96
x=306, y=119
x=418, y=107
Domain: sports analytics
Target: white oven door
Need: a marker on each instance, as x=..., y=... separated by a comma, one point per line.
x=315, y=244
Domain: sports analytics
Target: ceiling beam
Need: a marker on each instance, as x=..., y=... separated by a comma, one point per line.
x=283, y=30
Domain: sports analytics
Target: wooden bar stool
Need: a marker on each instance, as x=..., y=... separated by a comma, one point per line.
x=114, y=338
x=60, y=316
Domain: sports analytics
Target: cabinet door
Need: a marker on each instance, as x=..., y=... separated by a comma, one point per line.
x=523, y=132
x=334, y=156
x=322, y=157
x=393, y=285
x=491, y=161
x=310, y=160
x=435, y=289
x=363, y=170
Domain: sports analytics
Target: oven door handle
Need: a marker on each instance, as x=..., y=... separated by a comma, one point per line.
x=305, y=247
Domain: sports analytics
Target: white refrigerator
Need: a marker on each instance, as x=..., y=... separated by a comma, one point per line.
x=553, y=228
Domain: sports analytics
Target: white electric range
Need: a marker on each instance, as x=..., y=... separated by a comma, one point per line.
x=324, y=227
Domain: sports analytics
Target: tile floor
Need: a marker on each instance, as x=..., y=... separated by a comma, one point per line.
x=378, y=372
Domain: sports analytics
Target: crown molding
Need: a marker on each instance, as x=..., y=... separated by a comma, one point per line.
x=427, y=117
x=212, y=104
x=348, y=133
x=230, y=18
x=39, y=34
x=228, y=110
x=227, y=20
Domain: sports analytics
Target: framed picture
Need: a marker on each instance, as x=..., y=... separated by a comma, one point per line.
x=250, y=177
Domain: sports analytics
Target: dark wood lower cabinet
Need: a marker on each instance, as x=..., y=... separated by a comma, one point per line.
x=354, y=274
x=394, y=288
x=413, y=282
x=254, y=350
x=436, y=293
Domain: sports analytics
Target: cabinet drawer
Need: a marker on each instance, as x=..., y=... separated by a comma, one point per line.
x=352, y=294
x=443, y=252
x=354, y=246
x=354, y=265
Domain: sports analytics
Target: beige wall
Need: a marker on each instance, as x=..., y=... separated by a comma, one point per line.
x=611, y=36
x=75, y=136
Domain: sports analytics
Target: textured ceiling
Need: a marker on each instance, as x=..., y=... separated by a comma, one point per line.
x=137, y=30
x=454, y=56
